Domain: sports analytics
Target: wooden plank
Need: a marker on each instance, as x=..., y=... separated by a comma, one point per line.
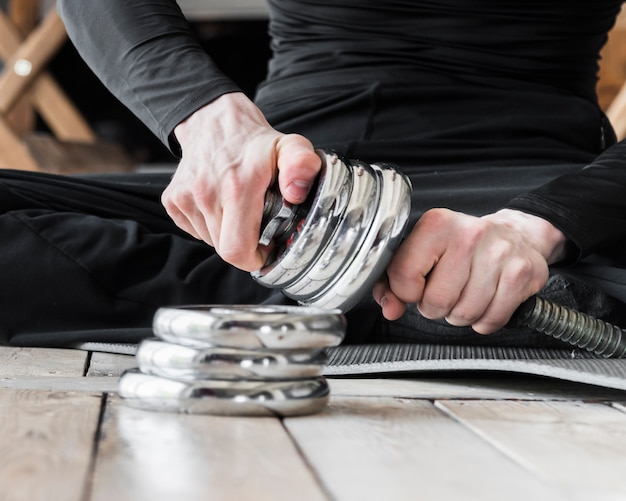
x=109, y=364
x=46, y=444
x=381, y=448
x=18, y=362
x=574, y=446
x=83, y=384
x=150, y=455
x=621, y=407
x=495, y=387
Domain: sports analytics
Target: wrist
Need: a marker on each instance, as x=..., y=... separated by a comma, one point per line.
x=549, y=241
x=220, y=116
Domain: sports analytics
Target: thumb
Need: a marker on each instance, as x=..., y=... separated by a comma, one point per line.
x=298, y=166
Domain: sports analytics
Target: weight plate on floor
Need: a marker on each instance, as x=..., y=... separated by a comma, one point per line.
x=250, y=326
x=237, y=398
x=190, y=363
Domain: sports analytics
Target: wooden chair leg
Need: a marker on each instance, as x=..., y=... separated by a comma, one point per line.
x=14, y=154
x=24, y=15
x=56, y=109
x=29, y=58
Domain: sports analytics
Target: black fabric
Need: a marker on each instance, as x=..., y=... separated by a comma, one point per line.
x=82, y=254
x=547, y=43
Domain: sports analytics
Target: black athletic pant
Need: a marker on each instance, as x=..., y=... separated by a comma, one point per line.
x=92, y=258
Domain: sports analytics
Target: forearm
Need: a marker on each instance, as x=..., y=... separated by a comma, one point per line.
x=147, y=56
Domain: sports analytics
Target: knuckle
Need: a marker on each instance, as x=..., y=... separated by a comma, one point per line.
x=436, y=304
x=234, y=255
x=434, y=219
x=490, y=322
x=519, y=271
x=405, y=282
x=461, y=316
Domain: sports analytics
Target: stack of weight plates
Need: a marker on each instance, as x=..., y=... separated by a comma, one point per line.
x=235, y=360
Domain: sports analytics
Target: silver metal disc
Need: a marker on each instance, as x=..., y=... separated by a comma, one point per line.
x=383, y=238
x=348, y=237
x=250, y=326
x=317, y=229
x=190, y=363
x=240, y=398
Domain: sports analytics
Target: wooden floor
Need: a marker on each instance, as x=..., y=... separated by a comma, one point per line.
x=65, y=435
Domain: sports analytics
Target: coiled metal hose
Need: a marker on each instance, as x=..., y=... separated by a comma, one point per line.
x=571, y=326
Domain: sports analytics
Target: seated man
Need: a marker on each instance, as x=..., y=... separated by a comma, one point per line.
x=490, y=109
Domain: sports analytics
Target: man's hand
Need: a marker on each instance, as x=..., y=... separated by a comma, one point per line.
x=469, y=270
x=230, y=157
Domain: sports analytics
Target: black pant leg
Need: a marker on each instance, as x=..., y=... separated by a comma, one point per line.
x=91, y=260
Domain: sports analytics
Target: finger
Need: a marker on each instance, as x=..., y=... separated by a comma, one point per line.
x=462, y=285
x=418, y=255
x=445, y=283
x=522, y=279
x=193, y=225
x=483, y=280
x=392, y=307
x=240, y=230
x=473, y=301
x=298, y=166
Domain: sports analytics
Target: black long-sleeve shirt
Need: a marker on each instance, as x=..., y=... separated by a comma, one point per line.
x=525, y=69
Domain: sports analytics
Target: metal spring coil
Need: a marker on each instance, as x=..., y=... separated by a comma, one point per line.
x=576, y=328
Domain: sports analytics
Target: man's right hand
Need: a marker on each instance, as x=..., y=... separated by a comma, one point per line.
x=230, y=158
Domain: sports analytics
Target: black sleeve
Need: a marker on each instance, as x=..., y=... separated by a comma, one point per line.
x=147, y=56
x=589, y=206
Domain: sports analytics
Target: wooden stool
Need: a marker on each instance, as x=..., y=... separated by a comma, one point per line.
x=25, y=86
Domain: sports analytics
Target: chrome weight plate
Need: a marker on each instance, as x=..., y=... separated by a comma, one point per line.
x=315, y=230
x=250, y=326
x=342, y=246
x=348, y=237
x=241, y=398
x=176, y=361
x=383, y=238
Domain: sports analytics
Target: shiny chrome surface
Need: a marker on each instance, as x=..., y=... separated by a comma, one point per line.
x=383, y=237
x=241, y=398
x=250, y=326
x=316, y=229
x=280, y=218
x=347, y=238
x=176, y=361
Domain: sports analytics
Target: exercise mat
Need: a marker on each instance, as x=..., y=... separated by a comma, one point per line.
x=412, y=359
x=567, y=364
